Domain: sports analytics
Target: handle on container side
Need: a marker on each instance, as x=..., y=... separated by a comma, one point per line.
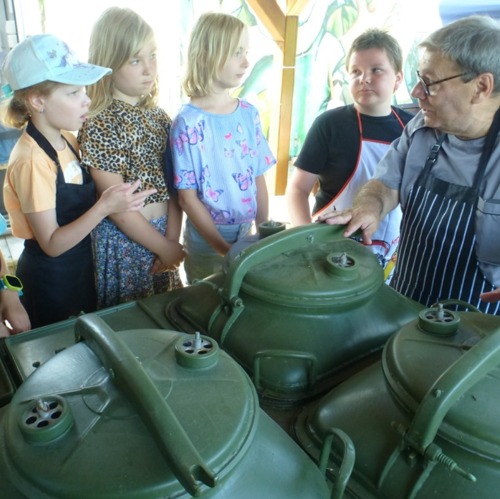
x=445, y=392
x=347, y=464
x=309, y=360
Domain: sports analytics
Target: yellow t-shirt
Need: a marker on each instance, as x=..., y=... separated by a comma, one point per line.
x=30, y=181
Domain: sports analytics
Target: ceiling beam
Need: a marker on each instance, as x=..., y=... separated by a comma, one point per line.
x=271, y=16
x=295, y=7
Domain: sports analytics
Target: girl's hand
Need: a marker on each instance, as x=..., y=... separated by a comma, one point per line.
x=157, y=267
x=173, y=255
x=122, y=197
x=13, y=313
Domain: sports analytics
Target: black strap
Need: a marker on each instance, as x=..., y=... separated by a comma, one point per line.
x=40, y=139
x=488, y=149
x=433, y=154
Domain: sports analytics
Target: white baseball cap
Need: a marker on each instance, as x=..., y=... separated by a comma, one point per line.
x=41, y=58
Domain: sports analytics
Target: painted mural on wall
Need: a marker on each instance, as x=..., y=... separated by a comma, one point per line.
x=326, y=30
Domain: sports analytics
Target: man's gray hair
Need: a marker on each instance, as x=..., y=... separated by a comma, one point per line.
x=472, y=43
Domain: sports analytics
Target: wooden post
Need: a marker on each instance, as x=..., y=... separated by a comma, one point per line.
x=286, y=103
x=283, y=28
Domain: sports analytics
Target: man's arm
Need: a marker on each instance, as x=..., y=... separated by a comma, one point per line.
x=372, y=203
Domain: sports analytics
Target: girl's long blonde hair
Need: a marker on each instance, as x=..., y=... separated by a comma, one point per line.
x=215, y=38
x=117, y=36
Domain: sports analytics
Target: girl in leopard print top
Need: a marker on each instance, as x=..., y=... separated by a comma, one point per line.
x=125, y=138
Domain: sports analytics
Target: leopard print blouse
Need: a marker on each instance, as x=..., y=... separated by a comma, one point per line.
x=131, y=141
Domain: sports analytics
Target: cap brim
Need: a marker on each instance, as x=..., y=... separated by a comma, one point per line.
x=82, y=75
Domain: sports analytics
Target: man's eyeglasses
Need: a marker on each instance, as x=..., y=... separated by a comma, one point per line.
x=426, y=85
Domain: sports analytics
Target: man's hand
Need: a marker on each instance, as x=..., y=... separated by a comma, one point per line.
x=491, y=296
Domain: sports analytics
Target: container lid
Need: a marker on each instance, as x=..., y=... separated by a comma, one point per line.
x=335, y=274
x=446, y=365
x=78, y=429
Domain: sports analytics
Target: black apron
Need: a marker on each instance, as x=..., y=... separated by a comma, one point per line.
x=56, y=288
x=437, y=258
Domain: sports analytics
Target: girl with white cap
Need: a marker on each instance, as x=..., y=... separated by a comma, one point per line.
x=50, y=198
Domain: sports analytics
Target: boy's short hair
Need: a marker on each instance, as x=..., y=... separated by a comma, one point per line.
x=378, y=39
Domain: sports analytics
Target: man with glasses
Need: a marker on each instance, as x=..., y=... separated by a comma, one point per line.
x=445, y=173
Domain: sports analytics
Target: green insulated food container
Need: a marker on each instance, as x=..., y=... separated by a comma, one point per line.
x=424, y=422
x=146, y=413
x=28, y=351
x=295, y=309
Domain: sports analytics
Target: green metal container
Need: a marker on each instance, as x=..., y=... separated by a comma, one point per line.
x=7, y=385
x=269, y=228
x=295, y=310
x=424, y=421
x=24, y=353
x=299, y=310
x=146, y=413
